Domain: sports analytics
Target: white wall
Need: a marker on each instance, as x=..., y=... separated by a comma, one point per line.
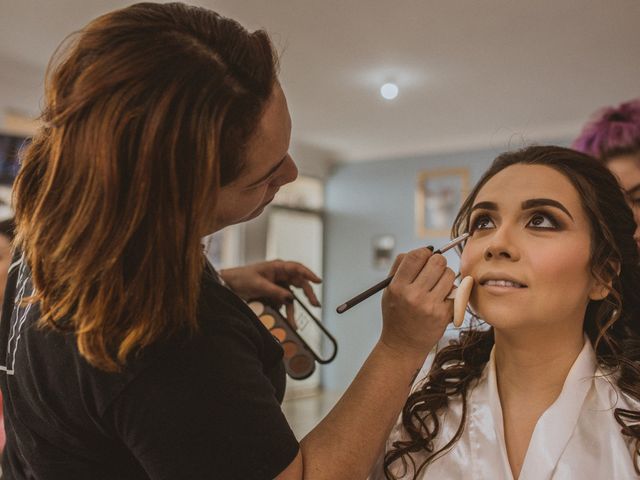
x=21, y=90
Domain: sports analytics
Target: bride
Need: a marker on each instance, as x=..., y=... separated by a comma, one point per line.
x=545, y=383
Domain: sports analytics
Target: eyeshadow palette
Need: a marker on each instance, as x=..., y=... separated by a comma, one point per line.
x=299, y=358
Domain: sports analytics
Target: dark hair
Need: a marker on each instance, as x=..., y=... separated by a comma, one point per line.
x=147, y=113
x=612, y=324
x=613, y=131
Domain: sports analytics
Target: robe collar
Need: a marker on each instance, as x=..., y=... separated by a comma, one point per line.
x=555, y=426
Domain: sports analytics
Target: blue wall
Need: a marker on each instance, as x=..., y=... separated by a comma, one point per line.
x=362, y=201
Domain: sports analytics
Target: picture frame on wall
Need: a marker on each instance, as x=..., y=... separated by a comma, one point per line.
x=439, y=195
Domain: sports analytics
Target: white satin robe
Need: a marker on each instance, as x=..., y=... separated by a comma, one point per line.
x=577, y=437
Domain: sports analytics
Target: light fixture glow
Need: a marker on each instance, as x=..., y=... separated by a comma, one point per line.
x=389, y=91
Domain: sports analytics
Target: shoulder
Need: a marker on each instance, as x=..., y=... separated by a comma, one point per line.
x=215, y=408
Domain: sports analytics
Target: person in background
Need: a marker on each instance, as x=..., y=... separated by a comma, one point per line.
x=7, y=230
x=613, y=136
x=123, y=356
x=545, y=383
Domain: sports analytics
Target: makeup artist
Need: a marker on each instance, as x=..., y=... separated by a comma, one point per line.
x=613, y=137
x=122, y=356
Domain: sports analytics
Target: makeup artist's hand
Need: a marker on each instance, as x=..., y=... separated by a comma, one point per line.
x=269, y=281
x=415, y=309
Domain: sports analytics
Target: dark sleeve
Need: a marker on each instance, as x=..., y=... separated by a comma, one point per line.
x=207, y=411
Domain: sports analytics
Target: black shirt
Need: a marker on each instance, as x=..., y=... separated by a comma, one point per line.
x=194, y=407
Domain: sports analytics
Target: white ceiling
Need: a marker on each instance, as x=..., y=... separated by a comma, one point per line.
x=472, y=73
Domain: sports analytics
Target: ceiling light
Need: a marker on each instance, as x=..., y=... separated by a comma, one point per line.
x=389, y=91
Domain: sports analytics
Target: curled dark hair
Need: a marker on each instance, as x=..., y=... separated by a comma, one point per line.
x=612, y=324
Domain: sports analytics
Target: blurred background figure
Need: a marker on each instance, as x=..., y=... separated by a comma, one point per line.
x=6, y=236
x=613, y=136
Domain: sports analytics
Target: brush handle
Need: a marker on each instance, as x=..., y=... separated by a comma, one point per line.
x=364, y=295
x=383, y=284
x=370, y=291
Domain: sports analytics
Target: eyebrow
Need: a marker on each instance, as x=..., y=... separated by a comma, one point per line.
x=526, y=205
x=269, y=173
x=634, y=190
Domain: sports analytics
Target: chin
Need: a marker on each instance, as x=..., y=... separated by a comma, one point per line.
x=256, y=213
x=500, y=317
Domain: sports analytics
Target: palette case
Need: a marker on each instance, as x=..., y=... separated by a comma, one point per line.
x=299, y=357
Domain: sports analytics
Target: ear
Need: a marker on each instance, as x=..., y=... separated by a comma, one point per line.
x=600, y=291
x=602, y=287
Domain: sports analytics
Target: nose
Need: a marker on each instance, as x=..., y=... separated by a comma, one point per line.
x=501, y=246
x=290, y=171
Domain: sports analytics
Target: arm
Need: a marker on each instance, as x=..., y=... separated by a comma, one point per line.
x=348, y=441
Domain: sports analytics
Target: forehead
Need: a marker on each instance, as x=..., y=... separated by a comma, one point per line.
x=522, y=182
x=274, y=129
x=627, y=169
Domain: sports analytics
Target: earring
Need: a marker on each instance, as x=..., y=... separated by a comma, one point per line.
x=460, y=298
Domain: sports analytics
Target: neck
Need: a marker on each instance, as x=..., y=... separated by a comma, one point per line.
x=534, y=367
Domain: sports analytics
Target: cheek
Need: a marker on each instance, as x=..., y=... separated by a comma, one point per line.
x=469, y=259
x=562, y=270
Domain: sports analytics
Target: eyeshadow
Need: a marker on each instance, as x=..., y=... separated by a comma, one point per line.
x=290, y=348
x=268, y=321
x=302, y=365
x=257, y=308
x=279, y=333
x=298, y=360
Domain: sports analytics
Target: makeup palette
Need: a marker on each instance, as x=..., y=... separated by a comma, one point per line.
x=299, y=357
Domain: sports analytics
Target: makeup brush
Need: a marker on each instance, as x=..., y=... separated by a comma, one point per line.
x=384, y=283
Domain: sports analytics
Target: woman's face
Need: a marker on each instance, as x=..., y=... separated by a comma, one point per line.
x=268, y=167
x=627, y=169
x=529, y=252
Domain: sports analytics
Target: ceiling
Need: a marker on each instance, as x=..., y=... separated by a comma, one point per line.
x=472, y=74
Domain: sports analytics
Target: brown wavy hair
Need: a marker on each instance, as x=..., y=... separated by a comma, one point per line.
x=147, y=113
x=612, y=324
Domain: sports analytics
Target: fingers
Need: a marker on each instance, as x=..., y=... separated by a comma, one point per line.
x=296, y=274
x=273, y=292
x=426, y=271
x=310, y=294
x=444, y=284
x=396, y=264
x=289, y=270
x=429, y=276
x=411, y=265
x=291, y=318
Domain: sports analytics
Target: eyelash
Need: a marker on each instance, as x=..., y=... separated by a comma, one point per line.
x=473, y=224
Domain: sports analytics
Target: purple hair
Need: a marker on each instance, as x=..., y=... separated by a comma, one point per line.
x=612, y=132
